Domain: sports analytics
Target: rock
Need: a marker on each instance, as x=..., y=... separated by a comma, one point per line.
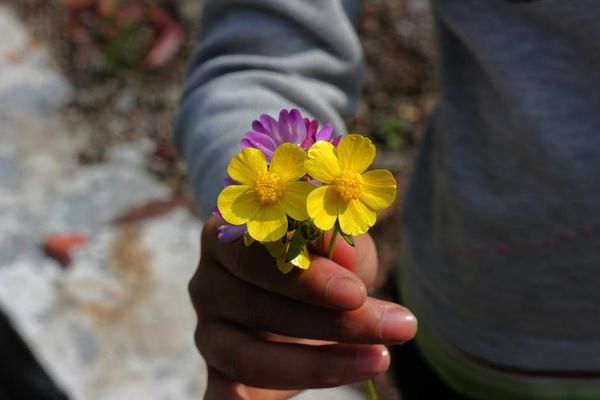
x=27, y=85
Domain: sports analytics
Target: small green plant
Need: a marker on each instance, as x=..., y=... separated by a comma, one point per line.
x=392, y=132
x=125, y=50
x=112, y=36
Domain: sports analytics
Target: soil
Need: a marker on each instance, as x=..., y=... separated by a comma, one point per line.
x=133, y=102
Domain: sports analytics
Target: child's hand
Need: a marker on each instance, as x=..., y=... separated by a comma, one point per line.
x=244, y=305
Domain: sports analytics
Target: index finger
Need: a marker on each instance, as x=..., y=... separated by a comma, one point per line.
x=324, y=284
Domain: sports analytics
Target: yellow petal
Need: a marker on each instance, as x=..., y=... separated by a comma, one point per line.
x=247, y=165
x=357, y=218
x=283, y=266
x=324, y=204
x=322, y=163
x=237, y=204
x=302, y=260
x=294, y=199
x=378, y=189
x=268, y=224
x=355, y=153
x=288, y=162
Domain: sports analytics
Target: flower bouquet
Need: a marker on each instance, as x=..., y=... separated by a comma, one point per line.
x=293, y=181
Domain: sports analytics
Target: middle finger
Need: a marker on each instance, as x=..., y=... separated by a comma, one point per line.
x=376, y=321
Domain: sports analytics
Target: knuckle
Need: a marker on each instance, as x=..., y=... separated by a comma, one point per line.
x=207, y=230
x=203, y=286
x=324, y=377
x=192, y=287
x=194, y=293
x=377, y=328
x=240, y=368
x=363, y=327
x=259, y=315
x=198, y=294
x=200, y=337
x=340, y=326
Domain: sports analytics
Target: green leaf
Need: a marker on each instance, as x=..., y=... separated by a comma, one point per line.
x=296, y=244
x=348, y=238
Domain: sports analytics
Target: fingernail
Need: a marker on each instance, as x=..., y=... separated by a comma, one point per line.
x=399, y=325
x=372, y=361
x=345, y=293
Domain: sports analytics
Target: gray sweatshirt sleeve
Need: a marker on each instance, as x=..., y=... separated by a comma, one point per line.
x=259, y=56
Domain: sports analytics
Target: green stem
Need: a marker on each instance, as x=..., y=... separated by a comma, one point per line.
x=368, y=385
x=370, y=391
x=332, y=243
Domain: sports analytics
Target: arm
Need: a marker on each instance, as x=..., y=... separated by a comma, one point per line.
x=259, y=56
x=254, y=323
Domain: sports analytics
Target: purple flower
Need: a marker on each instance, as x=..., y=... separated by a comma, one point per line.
x=314, y=134
x=267, y=133
x=228, y=232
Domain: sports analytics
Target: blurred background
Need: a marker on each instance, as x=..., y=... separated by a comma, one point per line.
x=98, y=230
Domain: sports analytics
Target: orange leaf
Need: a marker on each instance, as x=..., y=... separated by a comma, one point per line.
x=106, y=7
x=59, y=246
x=165, y=47
x=152, y=209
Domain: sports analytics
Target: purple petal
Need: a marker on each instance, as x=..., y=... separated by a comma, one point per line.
x=325, y=133
x=259, y=127
x=284, y=126
x=311, y=126
x=314, y=182
x=291, y=127
x=229, y=233
x=259, y=141
x=272, y=127
x=266, y=152
x=311, y=130
x=297, y=127
x=336, y=140
x=229, y=181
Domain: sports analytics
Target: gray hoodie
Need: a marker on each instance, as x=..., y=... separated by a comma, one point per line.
x=502, y=218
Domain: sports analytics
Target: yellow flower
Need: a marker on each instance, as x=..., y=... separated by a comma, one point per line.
x=278, y=251
x=266, y=194
x=348, y=194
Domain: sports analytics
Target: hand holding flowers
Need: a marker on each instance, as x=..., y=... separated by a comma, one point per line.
x=263, y=333
x=244, y=304
x=337, y=192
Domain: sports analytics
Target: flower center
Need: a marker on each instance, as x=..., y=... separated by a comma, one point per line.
x=348, y=185
x=268, y=188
